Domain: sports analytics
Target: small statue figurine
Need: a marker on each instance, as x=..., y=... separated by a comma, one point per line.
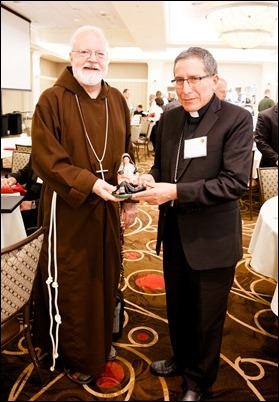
x=127, y=177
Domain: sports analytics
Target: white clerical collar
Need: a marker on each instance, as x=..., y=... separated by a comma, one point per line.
x=194, y=114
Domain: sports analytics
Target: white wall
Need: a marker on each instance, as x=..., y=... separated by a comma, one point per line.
x=143, y=80
x=253, y=78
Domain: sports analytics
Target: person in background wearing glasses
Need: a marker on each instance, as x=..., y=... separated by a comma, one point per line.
x=201, y=169
x=80, y=130
x=221, y=89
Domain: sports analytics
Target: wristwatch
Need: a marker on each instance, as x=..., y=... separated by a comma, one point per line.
x=33, y=205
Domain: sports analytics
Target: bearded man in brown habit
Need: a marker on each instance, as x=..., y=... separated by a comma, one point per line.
x=80, y=129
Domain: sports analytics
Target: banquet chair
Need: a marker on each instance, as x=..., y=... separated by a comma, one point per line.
x=144, y=125
x=252, y=190
x=135, y=134
x=268, y=181
x=143, y=142
x=18, y=269
x=23, y=148
x=19, y=160
x=136, y=119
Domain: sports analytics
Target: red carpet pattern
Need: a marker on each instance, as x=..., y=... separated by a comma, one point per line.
x=249, y=358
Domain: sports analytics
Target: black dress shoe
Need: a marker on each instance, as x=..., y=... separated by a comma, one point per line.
x=191, y=396
x=164, y=368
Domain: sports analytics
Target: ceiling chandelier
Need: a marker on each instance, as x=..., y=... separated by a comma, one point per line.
x=244, y=25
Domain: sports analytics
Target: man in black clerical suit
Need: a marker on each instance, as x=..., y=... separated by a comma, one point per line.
x=201, y=169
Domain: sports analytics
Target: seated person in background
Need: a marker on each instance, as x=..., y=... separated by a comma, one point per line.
x=139, y=110
x=32, y=184
x=127, y=177
x=266, y=136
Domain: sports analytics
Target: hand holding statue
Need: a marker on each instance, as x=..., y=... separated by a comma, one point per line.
x=128, y=178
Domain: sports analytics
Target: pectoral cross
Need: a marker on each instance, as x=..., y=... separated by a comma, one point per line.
x=101, y=170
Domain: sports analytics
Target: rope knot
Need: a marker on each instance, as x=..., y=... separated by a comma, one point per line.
x=49, y=280
x=58, y=318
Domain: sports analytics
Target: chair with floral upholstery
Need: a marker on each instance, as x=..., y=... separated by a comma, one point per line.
x=19, y=160
x=268, y=181
x=18, y=269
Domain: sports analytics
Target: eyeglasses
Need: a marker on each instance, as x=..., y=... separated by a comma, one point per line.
x=86, y=54
x=191, y=81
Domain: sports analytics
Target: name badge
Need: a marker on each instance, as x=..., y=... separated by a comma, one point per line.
x=195, y=147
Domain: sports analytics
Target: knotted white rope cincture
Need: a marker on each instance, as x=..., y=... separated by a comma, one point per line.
x=54, y=282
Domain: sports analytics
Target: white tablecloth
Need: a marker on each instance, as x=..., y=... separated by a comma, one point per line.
x=10, y=142
x=263, y=246
x=256, y=163
x=12, y=226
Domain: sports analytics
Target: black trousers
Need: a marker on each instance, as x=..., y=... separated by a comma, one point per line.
x=196, y=308
x=153, y=135
x=30, y=218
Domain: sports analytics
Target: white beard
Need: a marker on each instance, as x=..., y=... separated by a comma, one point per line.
x=87, y=77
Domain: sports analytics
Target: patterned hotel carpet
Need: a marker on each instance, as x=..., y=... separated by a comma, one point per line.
x=249, y=360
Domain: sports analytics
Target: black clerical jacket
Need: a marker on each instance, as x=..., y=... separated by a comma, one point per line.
x=208, y=187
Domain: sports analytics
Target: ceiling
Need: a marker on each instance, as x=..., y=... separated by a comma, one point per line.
x=136, y=30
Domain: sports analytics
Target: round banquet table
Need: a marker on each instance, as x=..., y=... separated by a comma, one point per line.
x=256, y=163
x=12, y=226
x=263, y=245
